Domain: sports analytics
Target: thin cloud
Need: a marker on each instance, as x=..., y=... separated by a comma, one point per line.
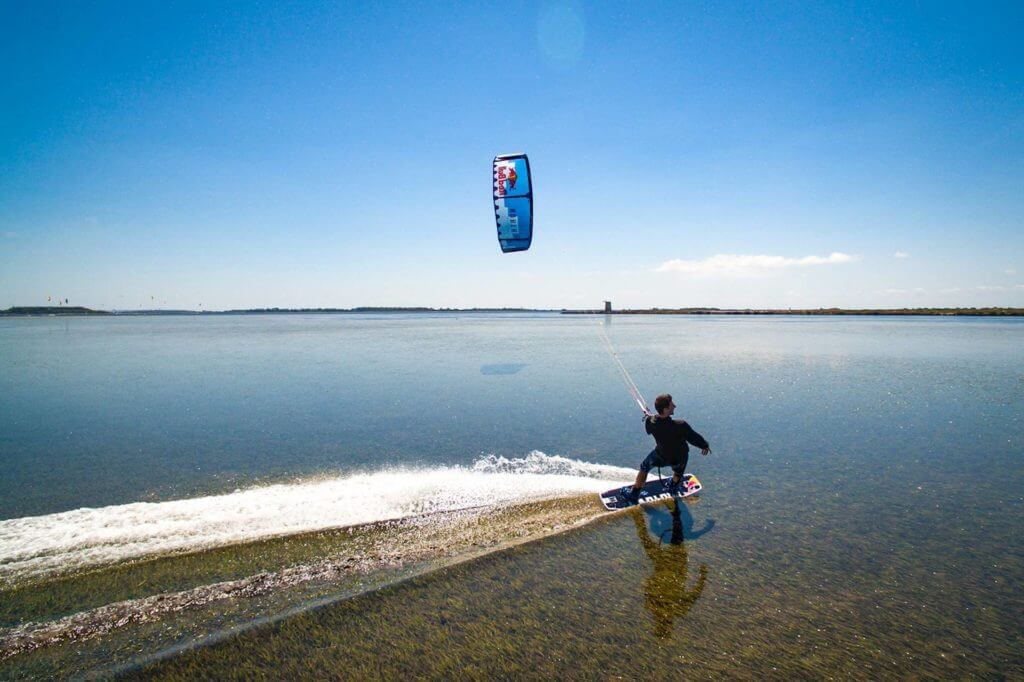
x=950, y=290
x=728, y=264
x=901, y=254
x=916, y=290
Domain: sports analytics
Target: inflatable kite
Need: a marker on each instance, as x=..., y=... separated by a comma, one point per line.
x=513, y=201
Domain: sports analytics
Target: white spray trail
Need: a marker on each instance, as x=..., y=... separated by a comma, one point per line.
x=39, y=546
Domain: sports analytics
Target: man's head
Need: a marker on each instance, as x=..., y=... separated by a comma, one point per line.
x=664, y=405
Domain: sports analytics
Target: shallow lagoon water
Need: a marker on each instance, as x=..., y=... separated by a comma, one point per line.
x=861, y=515
x=612, y=601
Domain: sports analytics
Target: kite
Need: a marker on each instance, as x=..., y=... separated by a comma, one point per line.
x=513, y=201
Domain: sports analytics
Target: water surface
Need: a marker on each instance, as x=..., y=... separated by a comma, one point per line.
x=862, y=507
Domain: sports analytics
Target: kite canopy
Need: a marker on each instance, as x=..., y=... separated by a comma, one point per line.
x=513, y=201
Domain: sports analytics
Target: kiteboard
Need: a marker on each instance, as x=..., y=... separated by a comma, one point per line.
x=653, y=491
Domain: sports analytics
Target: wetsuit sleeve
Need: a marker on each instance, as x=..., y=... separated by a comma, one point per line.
x=647, y=424
x=694, y=438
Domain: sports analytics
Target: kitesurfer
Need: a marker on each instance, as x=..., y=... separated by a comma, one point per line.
x=671, y=450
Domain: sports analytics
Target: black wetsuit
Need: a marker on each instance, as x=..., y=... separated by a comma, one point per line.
x=672, y=436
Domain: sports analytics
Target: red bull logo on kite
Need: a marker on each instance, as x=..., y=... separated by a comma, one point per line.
x=501, y=180
x=507, y=178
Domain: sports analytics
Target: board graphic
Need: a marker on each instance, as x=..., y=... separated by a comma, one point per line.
x=653, y=491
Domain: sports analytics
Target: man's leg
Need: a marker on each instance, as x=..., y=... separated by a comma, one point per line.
x=677, y=476
x=679, y=470
x=650, y=461
x=641, y=478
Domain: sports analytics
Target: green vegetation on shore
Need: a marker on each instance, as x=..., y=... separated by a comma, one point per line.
x=975, y=312
x=78, y=310
x=983, y=312
x=52, y=310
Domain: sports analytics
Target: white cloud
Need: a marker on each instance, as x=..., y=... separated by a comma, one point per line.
x=742, y=264
x=915, y=290
x=948, y=290
x=901, y=254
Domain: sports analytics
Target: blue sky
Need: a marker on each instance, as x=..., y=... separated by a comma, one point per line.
x=718, y=154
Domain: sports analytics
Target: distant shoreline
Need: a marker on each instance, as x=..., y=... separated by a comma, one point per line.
x=25, y=311
x=973, y=312
x=41, y=311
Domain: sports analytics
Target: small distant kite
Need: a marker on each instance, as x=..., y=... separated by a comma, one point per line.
x=513, y=201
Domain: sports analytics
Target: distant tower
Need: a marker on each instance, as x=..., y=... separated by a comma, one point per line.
x=607, y=307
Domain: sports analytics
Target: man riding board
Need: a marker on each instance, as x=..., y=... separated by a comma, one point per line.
x=671, y=436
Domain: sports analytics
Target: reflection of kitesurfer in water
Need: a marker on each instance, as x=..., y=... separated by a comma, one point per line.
x=665, y=593
x=671, y=436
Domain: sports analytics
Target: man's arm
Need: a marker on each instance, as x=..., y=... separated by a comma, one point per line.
x=695, y=439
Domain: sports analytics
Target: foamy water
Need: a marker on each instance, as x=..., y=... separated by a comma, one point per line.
x=40, y=546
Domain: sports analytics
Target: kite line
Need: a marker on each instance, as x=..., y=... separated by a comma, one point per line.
x=630, y=384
